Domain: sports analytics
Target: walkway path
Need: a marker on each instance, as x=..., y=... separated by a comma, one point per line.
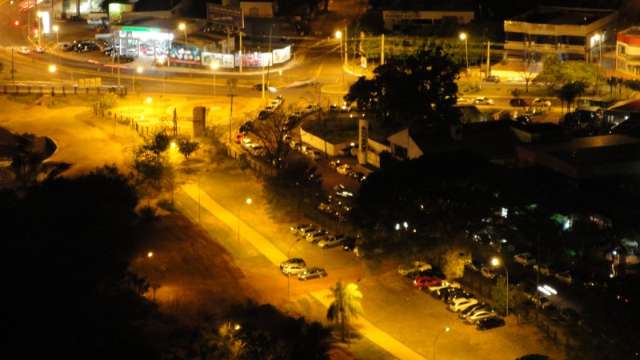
x=275, y=256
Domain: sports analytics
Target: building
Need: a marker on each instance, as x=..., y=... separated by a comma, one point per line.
x=258, y=8
x=571, y=33
x=586, y=157
x=628, y=51
x=428, y=13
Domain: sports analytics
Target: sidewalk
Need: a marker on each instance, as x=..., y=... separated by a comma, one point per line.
x=275, y=256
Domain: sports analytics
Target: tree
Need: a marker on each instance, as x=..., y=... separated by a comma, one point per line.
x=270, y=134
x=570, y=91
x=499, y=294
x=187, y=147
x=295, y=185
x=153, y=173
x=346, y=305
x=419, y=89
x=159, y=143
x=453, y=262
x=528, y=72
x=556, y=73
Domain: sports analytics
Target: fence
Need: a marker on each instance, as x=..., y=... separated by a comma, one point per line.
x=62, y=90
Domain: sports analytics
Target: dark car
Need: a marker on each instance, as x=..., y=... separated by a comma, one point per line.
x=298, y=261
x=518, y=102
x=349, y=244
x=264, y=114
x=490, y=323
x=259, y=87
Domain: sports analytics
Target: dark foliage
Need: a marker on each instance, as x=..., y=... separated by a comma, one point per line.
x=68, y=246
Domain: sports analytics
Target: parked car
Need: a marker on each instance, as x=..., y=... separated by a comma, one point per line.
x=312, y=273
x=443, y=285
x=24, y=50
x=415, y=266
x=343, y=169
x=39, y=50
x=461, y=304
x=293, y=269
x=316, y=236
x=457, y=295
x=541, y=102
x=488, y=272
x=313, y=154
x=490, y=323
x=543, y=269
x=472, y=310
x=426, y=281
x=292, y=261
x=565, y=277
x=482, y=100
x=297, y=229
x=479, y=315
x=518, y=102
x=331, y=241
x=492, y=78
x=349, y=244
x=311, y=108
x=525, y=259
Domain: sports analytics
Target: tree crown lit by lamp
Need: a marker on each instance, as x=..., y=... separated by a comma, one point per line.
x=463, y=36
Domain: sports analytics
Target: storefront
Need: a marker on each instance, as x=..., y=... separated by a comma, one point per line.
x=136, y=41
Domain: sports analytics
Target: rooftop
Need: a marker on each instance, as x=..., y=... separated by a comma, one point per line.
x=595, y=150
x=432, y=5
x=563, y=16
x=633, y=31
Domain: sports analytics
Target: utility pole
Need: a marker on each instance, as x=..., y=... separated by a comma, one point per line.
x=488, y=58
x=346, y=46
x=241, y=33
x=270, y=55
x=382, y=50
x=13, y=68
x=231, y=84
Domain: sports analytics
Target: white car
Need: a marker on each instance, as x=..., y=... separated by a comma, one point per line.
x=543, y=269
x=294, y=269
x=482, y=100
x=316, y=236
x=343, y=169
x=525, y=259
x=541, y=102
x=331, y=240
x=461, y=304
x=445, y=284
x=414, y=267
x=24, y=50
x=479, y=315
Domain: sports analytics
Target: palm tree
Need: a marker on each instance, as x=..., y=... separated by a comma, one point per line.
x=345, y=306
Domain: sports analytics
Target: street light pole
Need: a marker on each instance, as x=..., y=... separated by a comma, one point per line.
x=214, y=66
x=463, y=36
x=435, y=339
x=56, y=29
x=139, y=70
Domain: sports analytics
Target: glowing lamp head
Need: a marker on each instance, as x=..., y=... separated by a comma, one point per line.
x=52, y=68
x=214, y=66
x=139, y=69
x=463, y=36
x=338, y=34
x=182, y=26
x=495, y=262
x=55, y=28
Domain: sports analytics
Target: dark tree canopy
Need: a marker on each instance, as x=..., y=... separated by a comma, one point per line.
x=418, y=90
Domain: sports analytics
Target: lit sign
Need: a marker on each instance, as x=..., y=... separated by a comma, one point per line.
x=45, y=21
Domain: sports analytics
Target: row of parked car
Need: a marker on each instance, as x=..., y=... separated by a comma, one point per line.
x=323, y=238
x=465, y=304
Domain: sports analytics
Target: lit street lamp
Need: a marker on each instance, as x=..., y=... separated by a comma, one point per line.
x=52, y=68
x=56, y=29
x=338, y=36
x=183, y=27
x=495, y=262
x=435, y=339
x=463, y=37
x=150, y=254
x=214, y=66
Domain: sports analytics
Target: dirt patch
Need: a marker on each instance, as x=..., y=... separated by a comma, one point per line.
x=189, y=273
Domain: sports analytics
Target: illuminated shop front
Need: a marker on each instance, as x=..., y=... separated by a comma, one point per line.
x=137, y=41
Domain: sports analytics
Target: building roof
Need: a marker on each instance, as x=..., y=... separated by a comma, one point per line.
x=432, y=5
x=563, y=15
